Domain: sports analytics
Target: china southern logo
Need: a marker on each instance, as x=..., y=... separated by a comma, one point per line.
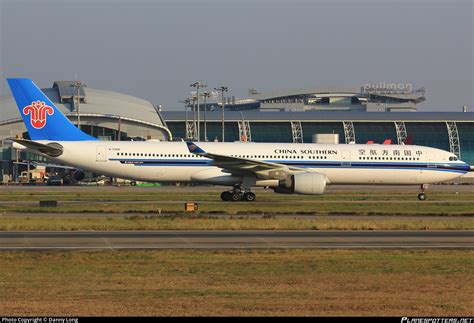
x=192, y=147
x=38, y=111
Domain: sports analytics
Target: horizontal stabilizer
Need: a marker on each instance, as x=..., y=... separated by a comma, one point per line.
x=51, y=149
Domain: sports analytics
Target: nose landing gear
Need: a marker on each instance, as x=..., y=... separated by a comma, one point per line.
x=422, y=195
x=238, y=193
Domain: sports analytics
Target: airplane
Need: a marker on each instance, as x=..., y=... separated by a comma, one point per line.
x=287, y=168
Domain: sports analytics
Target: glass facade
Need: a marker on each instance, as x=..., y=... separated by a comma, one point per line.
x=214, y=130
x=466, y=138
x=177, y=128
x=271, y=132
x=431, y=134
x=377, y=132
x=310, y=128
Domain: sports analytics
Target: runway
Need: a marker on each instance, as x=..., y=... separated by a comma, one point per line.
x=73, y=240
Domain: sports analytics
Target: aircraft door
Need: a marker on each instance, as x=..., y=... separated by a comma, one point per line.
x=101, y=155
x=346, y=158
x=431, y=159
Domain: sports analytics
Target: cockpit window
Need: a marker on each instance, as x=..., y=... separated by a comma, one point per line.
x=453, y=158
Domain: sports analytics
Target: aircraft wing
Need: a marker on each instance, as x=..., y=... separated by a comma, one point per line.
x=242, y=166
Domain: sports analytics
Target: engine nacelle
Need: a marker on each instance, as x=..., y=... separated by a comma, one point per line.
x=303, y=183
x=79, y=175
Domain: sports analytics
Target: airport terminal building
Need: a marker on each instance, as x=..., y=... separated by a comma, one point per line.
x=381, y=97
x=291, y=116
x=450, y=131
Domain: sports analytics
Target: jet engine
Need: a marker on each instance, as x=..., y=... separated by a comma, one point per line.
x=79, y=175
x=302, y=183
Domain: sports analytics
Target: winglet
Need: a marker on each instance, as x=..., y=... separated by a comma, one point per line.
x=194, y=149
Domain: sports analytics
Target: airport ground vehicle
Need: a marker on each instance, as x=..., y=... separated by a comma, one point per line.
x=55, y=180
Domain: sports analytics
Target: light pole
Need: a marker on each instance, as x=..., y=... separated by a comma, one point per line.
x=198, y=85
x=186, y=103
x=205, y=96
x=222, y=89
x=78, y=85
x=194, y=117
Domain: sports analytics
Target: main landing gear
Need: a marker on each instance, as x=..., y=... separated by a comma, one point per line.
x=422, y=195
x=238, y=193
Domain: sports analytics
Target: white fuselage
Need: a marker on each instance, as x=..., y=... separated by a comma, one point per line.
x=342, y=164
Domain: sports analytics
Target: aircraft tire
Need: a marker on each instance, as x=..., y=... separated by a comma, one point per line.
x=422, y=196
x=249, y=197
x=235, y=197
x=226, y=196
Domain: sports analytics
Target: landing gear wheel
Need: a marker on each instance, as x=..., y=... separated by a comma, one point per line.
x=249, y=197
x=235, y=197
x=422, y=196
x=226, y=196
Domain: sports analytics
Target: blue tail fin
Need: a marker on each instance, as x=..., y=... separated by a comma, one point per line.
x=194, y=149
x=43, y=120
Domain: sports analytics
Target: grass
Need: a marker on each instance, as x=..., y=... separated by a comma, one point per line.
x=212, y=195
x=170, y=200
x=236, y=208
x=287, y=282
x=239, y=223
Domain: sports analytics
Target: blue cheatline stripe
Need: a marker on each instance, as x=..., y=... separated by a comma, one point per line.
x=447, y=167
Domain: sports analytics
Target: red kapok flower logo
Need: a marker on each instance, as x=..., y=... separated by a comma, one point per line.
x=37, y=111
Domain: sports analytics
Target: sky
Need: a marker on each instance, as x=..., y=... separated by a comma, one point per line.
x=155, y=49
